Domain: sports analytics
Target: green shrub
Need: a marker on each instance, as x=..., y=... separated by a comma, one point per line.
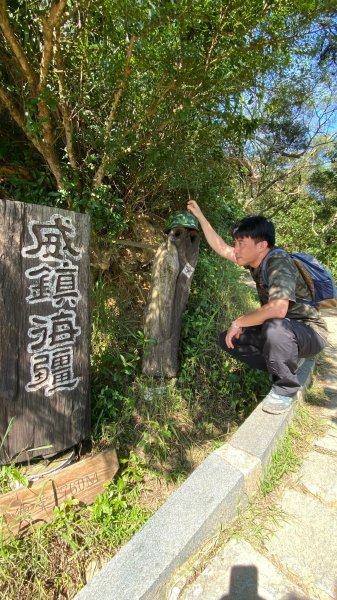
x=209, y=376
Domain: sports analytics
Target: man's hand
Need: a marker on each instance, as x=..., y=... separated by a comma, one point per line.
x=193, y=207
x=214, y=240
x=234, y=331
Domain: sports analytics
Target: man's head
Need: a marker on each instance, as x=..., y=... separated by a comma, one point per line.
x=254, y=236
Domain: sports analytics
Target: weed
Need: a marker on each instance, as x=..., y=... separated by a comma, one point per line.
x=156, y=437
x=288, y=454
x=51, y=561
x=4, y=437
x=206, y=372
x=11, y=477
x=161, y=429
x=282, y=461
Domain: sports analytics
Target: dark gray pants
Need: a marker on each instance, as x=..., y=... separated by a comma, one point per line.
x=276, y=346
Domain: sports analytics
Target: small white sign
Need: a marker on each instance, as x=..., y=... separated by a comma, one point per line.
x=188, y=270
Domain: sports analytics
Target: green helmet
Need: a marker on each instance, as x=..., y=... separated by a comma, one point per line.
x=182, y=218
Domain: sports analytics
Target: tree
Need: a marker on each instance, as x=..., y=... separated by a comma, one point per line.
x=118, y=97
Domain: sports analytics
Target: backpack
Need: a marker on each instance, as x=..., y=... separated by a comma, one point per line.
x=318, y=279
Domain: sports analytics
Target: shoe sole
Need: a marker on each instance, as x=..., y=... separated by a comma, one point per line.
x=274, y=410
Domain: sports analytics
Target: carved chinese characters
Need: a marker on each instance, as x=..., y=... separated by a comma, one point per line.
x=56, y=282
x=44, y=329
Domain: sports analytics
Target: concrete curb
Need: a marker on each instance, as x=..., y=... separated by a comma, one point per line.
x=207, y=500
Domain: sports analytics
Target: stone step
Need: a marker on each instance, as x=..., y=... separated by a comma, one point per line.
x=299, y=563
x=239, y=572
x=306, y=543
x=301, y=556
x=329, y=441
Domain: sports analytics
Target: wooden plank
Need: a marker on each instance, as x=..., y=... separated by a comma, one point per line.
x=44, y=330
x=35, y=505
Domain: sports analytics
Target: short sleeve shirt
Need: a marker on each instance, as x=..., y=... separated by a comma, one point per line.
x=285, y=282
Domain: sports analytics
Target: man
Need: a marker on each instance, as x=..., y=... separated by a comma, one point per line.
x=275, y=336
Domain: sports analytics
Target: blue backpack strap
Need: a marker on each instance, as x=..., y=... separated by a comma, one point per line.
x=263, y=267
x=317, y=277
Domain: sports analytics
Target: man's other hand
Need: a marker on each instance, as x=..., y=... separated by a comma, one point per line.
x=232, y=332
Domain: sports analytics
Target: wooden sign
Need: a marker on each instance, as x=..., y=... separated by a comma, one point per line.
x=44, y=330
x=35, y=505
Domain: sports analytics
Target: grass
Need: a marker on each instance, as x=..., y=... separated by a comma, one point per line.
x=161, y=430
x=10, y=476
x=54, y=560
x=263, y=513
x=258, y=521
x=288, y=456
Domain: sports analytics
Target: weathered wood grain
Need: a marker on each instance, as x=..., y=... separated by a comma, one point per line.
x=172, y=273
x=42, y=424
x=35, y=505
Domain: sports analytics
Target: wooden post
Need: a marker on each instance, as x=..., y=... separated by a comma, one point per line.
x=44, y=330
x=172, y=274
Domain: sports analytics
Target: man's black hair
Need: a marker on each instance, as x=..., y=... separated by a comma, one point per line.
x=257, y=227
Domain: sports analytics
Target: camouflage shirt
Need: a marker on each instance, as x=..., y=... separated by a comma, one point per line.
x=285, y=282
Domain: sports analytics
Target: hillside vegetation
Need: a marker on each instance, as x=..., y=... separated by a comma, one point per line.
x=125, y=110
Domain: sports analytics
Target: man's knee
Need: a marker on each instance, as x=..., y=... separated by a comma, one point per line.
x=275, y=331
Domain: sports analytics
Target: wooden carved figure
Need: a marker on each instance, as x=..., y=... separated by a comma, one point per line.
x=172, y=274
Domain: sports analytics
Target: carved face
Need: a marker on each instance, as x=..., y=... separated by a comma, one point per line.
x=186, y=241
x=177, y=235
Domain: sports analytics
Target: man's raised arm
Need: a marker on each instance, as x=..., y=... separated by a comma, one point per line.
x=214, y=240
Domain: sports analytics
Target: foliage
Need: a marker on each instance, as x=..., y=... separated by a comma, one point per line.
x=316, y=237
x=142, y=101
x=113, y=365
x=37, y=564
x=207, y=375
x=125, y=109
x=10, y=476
x=304, y=207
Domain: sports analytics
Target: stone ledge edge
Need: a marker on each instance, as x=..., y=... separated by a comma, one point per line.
x=207, y=500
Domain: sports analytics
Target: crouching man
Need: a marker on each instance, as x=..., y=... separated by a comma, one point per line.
x=275, y=336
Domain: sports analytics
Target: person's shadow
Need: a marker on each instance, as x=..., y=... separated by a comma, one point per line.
x=244, y=584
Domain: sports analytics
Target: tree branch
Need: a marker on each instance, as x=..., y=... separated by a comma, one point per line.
x=46, y=146
x=19, y=119
x=16, y=48
x=49, y=24
x=50, y=154
x=47, y=151
x=284, y=175
x=111, y=118
x=278, y=150
x=67, y=124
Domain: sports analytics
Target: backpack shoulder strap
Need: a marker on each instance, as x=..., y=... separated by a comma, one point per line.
x=263, y=267
x=298, y=260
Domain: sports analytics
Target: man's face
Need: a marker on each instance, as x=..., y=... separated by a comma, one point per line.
x=248, y=252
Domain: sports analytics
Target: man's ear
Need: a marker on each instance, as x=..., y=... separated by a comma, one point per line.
x=263, y=246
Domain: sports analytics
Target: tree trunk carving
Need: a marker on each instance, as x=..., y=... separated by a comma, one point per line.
x=172, y=274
